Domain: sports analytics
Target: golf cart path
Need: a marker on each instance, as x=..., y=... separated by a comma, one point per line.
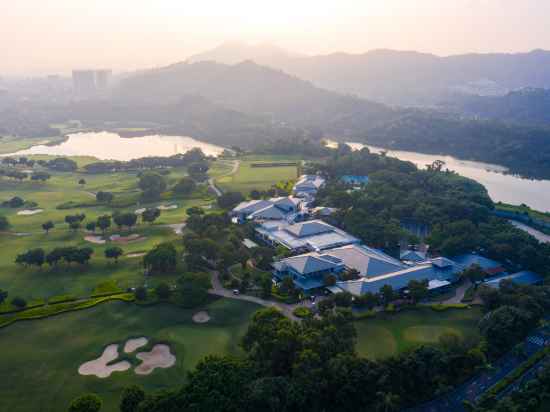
x=212, y=183
x=219, y=290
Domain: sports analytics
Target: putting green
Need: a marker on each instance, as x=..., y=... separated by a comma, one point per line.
x=427, y=333
x=39, y=360
x=390, y=334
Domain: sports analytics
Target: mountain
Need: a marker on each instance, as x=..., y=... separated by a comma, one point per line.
x=526, y=106
x=237, y=52
x=257, y=90
x=405, y=78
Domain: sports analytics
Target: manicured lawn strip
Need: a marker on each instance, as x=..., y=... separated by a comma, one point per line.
x=261, y=178
x=61, y=307
x=388, y=334
x=39, y=360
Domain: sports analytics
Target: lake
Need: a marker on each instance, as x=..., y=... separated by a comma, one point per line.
x=501, y=187
x=110, y=146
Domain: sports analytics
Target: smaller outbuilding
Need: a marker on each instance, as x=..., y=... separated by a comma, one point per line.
x=354, y=180
x=524, y=277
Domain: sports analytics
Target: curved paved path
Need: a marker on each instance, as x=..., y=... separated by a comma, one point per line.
x=219, y=290
x=212, y=183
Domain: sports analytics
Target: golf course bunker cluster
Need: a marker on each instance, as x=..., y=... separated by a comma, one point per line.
x=160, y=356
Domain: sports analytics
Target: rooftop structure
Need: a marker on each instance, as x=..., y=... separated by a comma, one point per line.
x=313, y=235
x=489, y=266
x=438, y=273
x=279, y=208
x=521, y=278
x=413, y=256
x=354, y=180
x=308, y=185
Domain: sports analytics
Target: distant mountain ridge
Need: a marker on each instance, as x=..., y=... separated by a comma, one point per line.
x=526, y=106
x=407, y=78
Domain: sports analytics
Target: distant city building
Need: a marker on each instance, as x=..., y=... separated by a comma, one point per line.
x=87, y=83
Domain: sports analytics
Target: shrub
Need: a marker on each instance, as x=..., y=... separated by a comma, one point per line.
x=140, y=293
x=302, y=312
x=19, y=302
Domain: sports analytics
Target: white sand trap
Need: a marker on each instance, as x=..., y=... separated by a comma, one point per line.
x=127, y=239
x=159, y=357
x=29, y=212
x=177, y=228
x=99, y=367
x=167, y=207
x=133, y=344
x=140, y=211
x=136, y=255
x=201, y=317
x=94, y=239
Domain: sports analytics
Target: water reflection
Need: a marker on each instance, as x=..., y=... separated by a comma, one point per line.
x=110, y=146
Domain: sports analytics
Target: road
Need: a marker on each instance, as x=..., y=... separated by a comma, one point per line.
x=212, y=183
x=219, y=290
x=478, y=385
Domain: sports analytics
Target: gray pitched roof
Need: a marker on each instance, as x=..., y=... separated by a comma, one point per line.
x=310, y=228
x=305, y=264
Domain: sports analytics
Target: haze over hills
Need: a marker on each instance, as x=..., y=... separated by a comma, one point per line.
x=405, y=77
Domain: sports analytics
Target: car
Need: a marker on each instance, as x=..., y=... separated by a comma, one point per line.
x=236, y=292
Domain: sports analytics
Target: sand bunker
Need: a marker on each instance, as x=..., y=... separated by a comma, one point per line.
x=127, y=239
x=140, y=211
x=159, y=357
x=201, y=317
x=167, y=207
x=98, y=240
x=29, y=212
x=133, y=344
x=99, y=367
x=136, y=255
x=177, y=228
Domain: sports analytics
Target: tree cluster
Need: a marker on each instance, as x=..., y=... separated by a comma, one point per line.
x=70, y=254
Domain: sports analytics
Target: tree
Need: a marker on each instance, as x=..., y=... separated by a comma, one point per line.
x=113, y=252
x=62, y=164
x=185, y=186
x=86, y=403
x=4, y=223
x=388, y=402
x=255, y=194
x=42, y=176
x=131, y=397
x=418, y=289
x=82, y=182
x=74, y=225
x=70, y=219
x=195, y=210
x=104, y=222
x=161, y=259
x=140, y=293
x=329, y=280
x=163, y=291
x=474, y=273
x=198, y=170
x=387, y=293
x=230, y=199
x=3, y=296
x=19, y=302
x=91, y=226
x=47, y=226
x=150, y=215
x=104, y=197
x=31, y=257
x=125, y=219
x=193, y=289
x=152, y=185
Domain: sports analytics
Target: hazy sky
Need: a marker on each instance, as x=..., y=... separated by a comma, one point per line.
x=47, y=36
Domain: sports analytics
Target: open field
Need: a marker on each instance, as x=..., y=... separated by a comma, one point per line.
x=261, y=178
x=26, y=231
x=39, y=360
x=10, y=144
x=390, y=334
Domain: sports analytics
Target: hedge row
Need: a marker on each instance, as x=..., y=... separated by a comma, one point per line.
x=517, y=373
x=56, y=309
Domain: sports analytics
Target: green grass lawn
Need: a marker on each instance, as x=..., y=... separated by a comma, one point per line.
x=10, y=144
x=32, y=283
x=247, y=177
x=390, y=334
x=39, y=360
